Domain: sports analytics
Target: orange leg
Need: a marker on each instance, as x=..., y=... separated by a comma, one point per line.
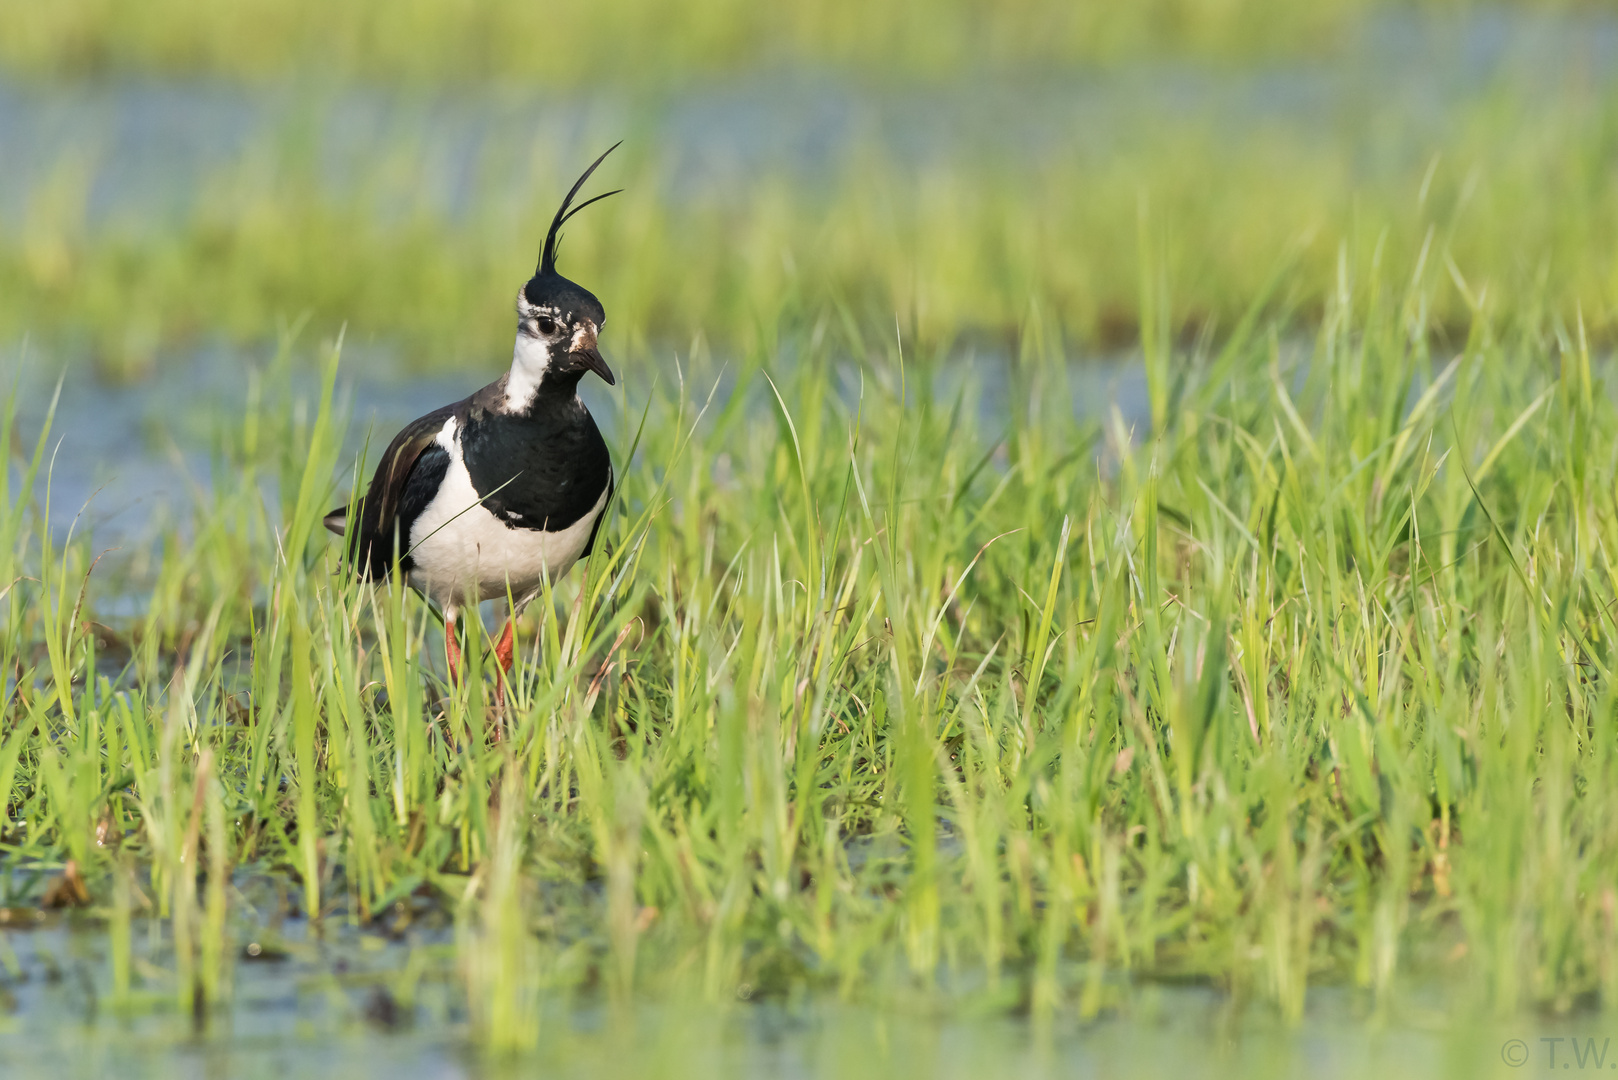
x=503, y=658
x=452, y=649
x=503, y=648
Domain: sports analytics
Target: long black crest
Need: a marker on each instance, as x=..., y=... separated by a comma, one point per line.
x=547, y=257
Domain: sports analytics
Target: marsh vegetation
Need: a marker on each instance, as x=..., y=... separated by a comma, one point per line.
x=907, y=705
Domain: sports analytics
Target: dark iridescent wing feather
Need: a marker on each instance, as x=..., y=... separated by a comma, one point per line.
x=404, y=482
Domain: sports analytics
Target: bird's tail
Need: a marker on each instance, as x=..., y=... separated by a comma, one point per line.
x=337, y=521
x=340, y=523
x=362, y=551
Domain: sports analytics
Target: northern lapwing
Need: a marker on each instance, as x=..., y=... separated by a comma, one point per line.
x=496, y=494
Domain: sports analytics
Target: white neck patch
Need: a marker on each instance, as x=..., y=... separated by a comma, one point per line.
x=530, y=359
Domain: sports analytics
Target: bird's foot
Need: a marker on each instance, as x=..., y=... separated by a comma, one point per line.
x=497, y=713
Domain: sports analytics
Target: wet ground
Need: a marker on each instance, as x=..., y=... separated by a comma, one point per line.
x=347, y=1002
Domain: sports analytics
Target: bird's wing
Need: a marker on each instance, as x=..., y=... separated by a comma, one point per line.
x=379, y=509
x=405, y=481
x=490, y=399
x=393, y=471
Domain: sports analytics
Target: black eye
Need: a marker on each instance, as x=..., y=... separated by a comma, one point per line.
x=546, y=324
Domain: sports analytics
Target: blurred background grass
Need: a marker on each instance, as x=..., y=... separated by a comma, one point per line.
x=570, y=43
x=951, y=166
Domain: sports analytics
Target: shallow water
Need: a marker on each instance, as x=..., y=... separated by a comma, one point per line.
x=143, y=148
x=316, y=1014
x=350, y=1003
x=122, y=460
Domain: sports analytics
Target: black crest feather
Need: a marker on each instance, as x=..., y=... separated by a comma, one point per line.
x=547, y=257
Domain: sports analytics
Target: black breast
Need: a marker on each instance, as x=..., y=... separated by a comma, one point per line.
x=544, y=469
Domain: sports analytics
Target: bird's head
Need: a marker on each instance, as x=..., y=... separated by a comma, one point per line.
x=559, y=320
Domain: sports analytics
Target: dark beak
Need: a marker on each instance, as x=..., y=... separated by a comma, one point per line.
x=585, y=354
x=591, y=358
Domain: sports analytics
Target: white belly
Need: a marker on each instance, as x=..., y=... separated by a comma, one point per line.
x=461, y=552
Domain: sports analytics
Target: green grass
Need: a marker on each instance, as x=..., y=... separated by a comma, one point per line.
x=895, y=690
x=1308, y=684
x=636, y=42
